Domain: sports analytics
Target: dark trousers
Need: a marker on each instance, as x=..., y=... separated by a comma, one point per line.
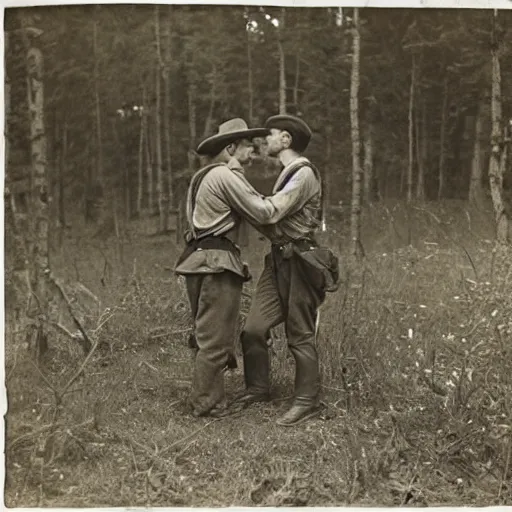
x=215, y=304
x=283, y=294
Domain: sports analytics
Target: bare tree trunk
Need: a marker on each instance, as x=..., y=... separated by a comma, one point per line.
x=476, y=191
x=97, y=185
x=62, y=166
x=39, y=214
x=7, y=101
x=421, y=148
x=11, y=223
x=158, y=127
x=140, y=163
x=297, y=82
x=497, y=158
x=442, y=143
x=250, y=85
x=355, y=217
x=328, y=165
x=99, y=140
x=167, y=117
x=368, y=162
x=282, y=65
x=192, y=125
x=411, y=130
x=147, y=151
x=213, y=96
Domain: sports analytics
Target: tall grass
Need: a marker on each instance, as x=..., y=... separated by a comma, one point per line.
x=415, y=350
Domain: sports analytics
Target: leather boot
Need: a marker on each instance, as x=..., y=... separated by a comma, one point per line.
x=298, y=413
x=256, y=371
x=307, y=385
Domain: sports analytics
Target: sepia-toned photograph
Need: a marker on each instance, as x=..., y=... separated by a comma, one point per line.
x=257, y=256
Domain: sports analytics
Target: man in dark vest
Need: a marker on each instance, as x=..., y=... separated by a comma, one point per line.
x=219, y=199
x=288, y=289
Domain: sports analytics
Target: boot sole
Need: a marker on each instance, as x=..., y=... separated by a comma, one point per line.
x=308, y=416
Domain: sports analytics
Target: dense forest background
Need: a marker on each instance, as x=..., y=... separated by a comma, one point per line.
x=131, y=90
x=411, y=112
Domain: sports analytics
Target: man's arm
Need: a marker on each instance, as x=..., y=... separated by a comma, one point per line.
x=295, y=194
x=242, y=196
x=260, y=210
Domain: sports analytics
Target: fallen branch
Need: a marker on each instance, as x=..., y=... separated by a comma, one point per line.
x=46, y=381
x=63, y=330
x=88, y=292
x=44, y=428
x=85, y=342
x=80, y=370
x=195, y=432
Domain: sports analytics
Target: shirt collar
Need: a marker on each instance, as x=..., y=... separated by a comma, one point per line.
x=235, y=165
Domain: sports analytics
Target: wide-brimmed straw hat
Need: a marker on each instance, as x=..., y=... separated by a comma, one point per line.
x=230, y=131
x=295, y=126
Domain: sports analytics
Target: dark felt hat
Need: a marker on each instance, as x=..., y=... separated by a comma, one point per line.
x=230, y=131
x=295, y=126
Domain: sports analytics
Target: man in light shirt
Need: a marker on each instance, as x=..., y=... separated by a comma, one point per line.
x=290, y=288
x=219, y=199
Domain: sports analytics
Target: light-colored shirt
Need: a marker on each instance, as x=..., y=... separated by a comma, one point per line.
x=298, y=203
x=225, y=200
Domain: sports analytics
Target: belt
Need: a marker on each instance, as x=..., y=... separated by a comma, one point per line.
x=286, y=248
x=208, y=242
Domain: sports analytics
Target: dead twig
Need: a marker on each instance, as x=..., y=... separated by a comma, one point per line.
x=190, y=436
x=81, y=369
x=43, y=429
x=85, y=342
x=63, y=330
x=46, y=381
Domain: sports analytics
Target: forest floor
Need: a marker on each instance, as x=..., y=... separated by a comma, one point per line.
x=415, y=349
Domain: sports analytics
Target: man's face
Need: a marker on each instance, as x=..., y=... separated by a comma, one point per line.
x=244, y=151
x=275, y=142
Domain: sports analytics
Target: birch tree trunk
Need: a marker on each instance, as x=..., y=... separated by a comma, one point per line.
x=158, y=128
x=282, y=64
x=213, y=96
x=11, y=224
x=368, y=162
x=250, y=84
x=328, y=166
x=496, y=167
x=140, y=163
x=149, y=159
x=62, y=166
x=97, y=179
x=355, y=217
x=442, y=141
x=39, y=211
x=411, y=131
x=192, y=126
x=421, y=151
x=297, y=82
x=167, y=117
x=476, y=191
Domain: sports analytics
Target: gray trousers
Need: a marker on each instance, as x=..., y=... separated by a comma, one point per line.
x=283, y=294
x=215, y=304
